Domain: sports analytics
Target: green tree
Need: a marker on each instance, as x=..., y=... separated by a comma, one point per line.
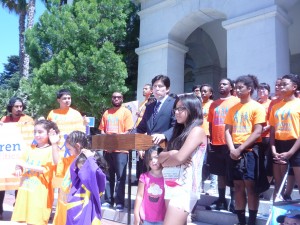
x=18, y=7
x=10, y=77
x=9, y=82
x=72, y=46
x=127, y=48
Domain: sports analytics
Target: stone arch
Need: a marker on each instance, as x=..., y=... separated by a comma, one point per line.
x=205, y=61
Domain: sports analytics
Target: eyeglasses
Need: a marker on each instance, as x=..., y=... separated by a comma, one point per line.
x=179, y=109
x=197, y=90
x=117, y=97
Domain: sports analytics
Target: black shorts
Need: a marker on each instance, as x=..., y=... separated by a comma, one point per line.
x=246, y=167
x=218, y=158
x=284, y=146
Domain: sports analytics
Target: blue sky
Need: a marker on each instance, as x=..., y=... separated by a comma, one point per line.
x=9, y=27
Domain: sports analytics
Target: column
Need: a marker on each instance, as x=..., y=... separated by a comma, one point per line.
x=164, y=57
x=257, y=43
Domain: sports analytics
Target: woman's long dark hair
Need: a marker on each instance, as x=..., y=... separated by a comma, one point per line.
x=195, y=118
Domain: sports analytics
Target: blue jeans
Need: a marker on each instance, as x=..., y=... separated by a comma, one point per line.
x=115, y=188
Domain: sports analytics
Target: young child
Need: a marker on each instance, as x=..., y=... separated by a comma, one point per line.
x=149, y=207
x=75, y=141
x=88, y=184
x=36, y=168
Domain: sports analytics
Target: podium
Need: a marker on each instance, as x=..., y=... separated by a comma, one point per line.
x=129, y=142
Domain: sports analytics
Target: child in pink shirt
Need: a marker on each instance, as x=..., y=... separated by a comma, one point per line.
x=149, y=207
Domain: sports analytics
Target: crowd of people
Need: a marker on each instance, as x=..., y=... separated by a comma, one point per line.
x=237, y=140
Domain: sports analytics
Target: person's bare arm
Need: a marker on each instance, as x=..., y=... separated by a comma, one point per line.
x=54, y=139
x=138, y=203
x=196, y=138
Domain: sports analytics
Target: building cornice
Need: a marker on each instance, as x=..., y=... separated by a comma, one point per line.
x=167, y=43
x=273, y=11
x=157, y=7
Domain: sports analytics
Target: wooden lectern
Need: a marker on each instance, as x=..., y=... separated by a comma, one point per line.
x=124, y=142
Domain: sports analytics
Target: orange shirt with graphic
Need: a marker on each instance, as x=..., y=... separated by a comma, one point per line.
x=285, y=118
x=272, y=103
x=266, y=106
x=116, y=121
x=67, y=120
x=242, y=118
x=216, y=116
x=22, y=119
x=205, y=110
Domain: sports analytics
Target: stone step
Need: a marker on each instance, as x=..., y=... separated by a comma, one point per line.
x=221, y=217
x=121, y=217
x=267, y=195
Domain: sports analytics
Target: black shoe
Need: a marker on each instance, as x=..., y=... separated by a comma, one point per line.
x=219, y=205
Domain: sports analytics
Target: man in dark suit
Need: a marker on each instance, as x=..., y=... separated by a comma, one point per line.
x=158, y=119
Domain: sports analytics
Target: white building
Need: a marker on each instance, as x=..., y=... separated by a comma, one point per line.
x=201, y=41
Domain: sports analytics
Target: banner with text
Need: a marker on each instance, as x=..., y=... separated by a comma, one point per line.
x=14, y=139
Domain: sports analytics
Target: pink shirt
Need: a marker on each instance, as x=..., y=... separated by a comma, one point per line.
x=153, y=206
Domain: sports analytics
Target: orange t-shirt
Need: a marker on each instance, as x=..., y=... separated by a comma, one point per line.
x=63, y=170
x=242, y=118
x=266, y=106
x=116, y=121
x=22, y=119
x=285, y=118
x=67, y=120
x=272, y=103
x=216, y=116
x=205, y=110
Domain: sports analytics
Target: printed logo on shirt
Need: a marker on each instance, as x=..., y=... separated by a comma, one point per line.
x=112, y=124
x=220, y=114
x=241, y=120
x=154, y=192
x=285, y=118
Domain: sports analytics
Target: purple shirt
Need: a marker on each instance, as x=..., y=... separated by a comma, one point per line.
x=88, y=183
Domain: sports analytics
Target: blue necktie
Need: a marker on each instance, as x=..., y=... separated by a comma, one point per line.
x=156, y=107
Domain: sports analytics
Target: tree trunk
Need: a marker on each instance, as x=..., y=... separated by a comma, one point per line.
x=30, y=22
x=22, y=18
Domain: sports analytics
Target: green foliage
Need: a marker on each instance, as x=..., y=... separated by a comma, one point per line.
x=72, y=46
x=10, y=77
x=5, y=95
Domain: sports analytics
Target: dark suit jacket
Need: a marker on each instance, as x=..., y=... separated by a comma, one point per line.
x=164, y=121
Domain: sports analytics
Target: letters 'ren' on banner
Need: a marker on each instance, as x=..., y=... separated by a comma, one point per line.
x=15, y=138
